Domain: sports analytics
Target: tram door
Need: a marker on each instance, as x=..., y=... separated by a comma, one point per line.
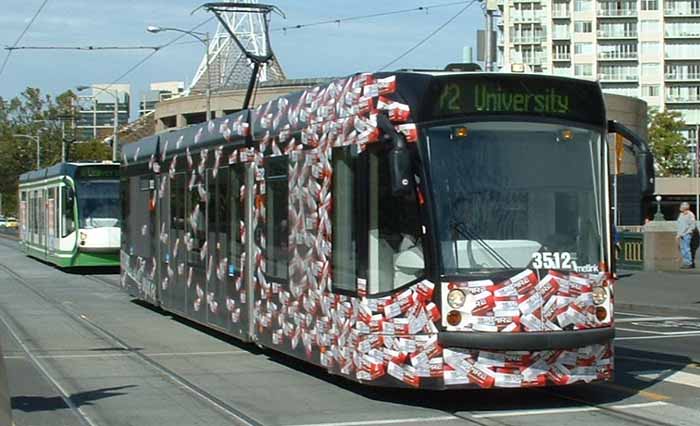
x=175, y=259
x=163, y=251
x=235, y=280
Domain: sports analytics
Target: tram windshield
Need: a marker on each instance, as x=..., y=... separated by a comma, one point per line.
x=515, y=195
x=98, y=203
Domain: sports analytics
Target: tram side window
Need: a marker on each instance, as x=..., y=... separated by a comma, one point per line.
x=67, y=200
x=236, y=215
x=222, y=204
x=126, y=205
x=276, y=221
x=177, y=203
x=347, y=211
x=196, y=211
x=376, y=235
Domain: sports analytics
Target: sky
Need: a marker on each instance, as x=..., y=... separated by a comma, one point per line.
x=320, y=51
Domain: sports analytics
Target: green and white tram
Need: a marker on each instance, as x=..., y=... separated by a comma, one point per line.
x=70, y=214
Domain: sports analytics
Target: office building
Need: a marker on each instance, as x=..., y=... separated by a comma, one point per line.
x=96, y=107
x=159, y=92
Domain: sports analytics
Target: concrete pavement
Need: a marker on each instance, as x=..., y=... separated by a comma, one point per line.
x=662, y=293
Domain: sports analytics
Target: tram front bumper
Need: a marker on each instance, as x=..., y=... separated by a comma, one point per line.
x=530, y=341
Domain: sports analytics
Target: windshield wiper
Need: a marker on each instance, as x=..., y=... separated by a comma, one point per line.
x=464, y=231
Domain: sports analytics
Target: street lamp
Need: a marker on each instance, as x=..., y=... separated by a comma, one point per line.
x=35, y=139
x=658, y=215
x=115, y=95
x=201, y=37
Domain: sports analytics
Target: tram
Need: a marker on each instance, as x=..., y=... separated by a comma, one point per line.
x=431, y=230
x=70, y=214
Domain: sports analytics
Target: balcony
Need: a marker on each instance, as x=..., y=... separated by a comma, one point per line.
x=618, y=78
x=561, y=57
x=617, y=56
x=525, y=19
x=682, y=99
x=617, y=13
x=561, y=35
x=682, y=76
x=681, y=11
x=687, y=55
x=617, y=34
x=683, y=34
x=528, y=40
x=561, y=14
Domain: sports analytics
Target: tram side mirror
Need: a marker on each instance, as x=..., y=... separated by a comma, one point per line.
x=646, y=173
x=645, y=159
x=400, y=167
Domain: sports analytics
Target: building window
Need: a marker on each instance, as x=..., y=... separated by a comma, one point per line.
x=583, y=70
x=650, y=27
x=276, y=226
x=650, y=70
x=650, y=90
x=650, y=5
x=650, y=48
x=583, y=48
x=583, y=5
x=583, y=27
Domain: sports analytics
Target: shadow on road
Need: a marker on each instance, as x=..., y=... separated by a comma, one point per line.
x=624, y=386
x=92, y=270
x=30, y=404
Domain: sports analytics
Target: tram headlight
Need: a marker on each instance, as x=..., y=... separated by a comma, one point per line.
x=83, y=236
x=599, y=295
x=456, y=298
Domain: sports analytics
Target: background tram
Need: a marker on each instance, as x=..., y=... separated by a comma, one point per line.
x=70, y=214
x=429, y=230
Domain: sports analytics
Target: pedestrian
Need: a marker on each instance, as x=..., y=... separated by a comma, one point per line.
x=684, y=232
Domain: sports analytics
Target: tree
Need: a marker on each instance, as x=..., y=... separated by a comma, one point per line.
x=667, y=143
x=30, y=113
x=93, y=150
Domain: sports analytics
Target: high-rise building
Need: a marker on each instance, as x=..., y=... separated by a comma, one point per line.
x=159, y=92
x=648, y=49
x=96, y=110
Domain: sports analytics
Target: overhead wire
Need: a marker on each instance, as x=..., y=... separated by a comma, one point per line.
x=367, y=16
x=429, y=36
x=82, y=47
x=26, y=28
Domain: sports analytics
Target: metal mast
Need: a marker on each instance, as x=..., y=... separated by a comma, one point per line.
x=228, y=64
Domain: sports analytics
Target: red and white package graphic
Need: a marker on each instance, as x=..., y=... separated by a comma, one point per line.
x=392, y=310
x=523, y=282
x=530, y=302
x=480, y=304
x=386, y=85
x=531, y=323
x=503, y=380
x=535, y=370
x=410, y=131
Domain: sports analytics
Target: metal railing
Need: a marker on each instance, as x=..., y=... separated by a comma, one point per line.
x=617, y=34
x=630, y=252
x=682, y=76
x=561, y=57
x=618, y=77
x=617, y=13
x=617, y=55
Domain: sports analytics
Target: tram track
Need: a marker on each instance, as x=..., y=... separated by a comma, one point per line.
x=231, y=412
x=479, y=418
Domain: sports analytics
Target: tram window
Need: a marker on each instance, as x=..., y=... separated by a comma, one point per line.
x=276, y=221
x=236, y=214
x=222, y=205
x=376, y=235
x=67, y=200
x=126, y=207
x=177, y=203
x=197, y=223
x=345, y=218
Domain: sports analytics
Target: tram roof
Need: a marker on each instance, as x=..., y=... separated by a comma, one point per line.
x=206, y=134
x=59, y=169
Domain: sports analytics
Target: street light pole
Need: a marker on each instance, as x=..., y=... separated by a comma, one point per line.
x=38, y=153
x=202, y=38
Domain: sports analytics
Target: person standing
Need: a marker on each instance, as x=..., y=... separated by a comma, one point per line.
x=684, y=232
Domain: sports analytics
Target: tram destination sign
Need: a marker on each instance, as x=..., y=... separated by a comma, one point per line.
x=98, y=172
x=517, y=95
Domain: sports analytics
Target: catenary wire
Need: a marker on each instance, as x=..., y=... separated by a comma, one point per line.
x=429, y=36
x=26, y=28
x=83, y=48
x=367, y=16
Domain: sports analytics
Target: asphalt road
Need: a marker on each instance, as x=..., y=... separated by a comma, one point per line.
x=79, y=351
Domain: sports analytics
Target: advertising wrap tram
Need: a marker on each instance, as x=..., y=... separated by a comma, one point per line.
x=69, y=214
x=423, y=229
